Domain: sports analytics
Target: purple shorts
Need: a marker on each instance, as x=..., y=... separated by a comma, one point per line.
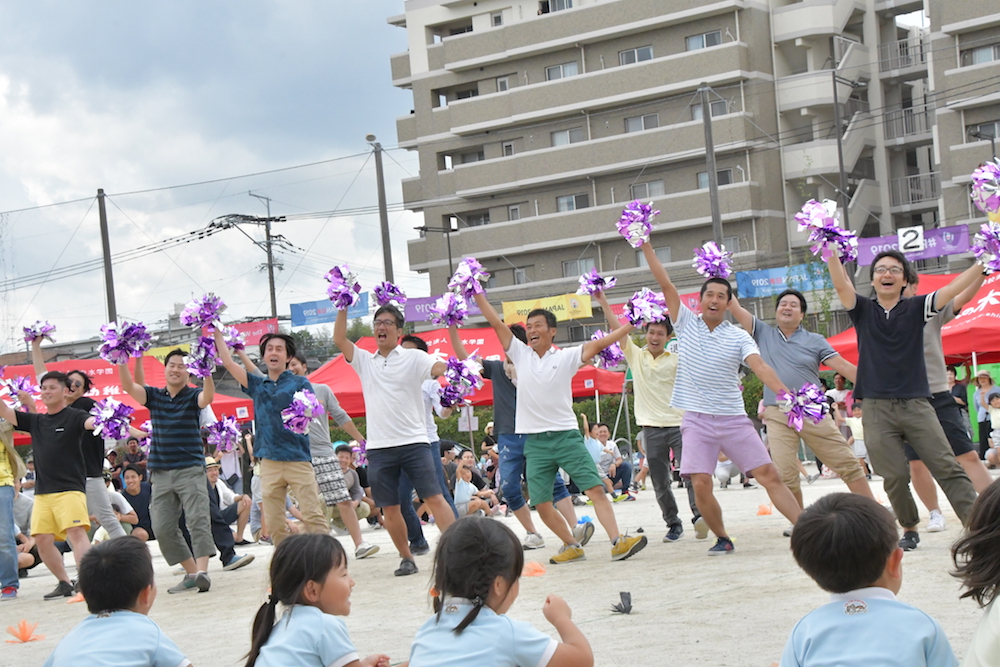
x=706, y=435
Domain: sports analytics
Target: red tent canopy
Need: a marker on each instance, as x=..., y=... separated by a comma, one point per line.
x=104, y=377
x=341, y=378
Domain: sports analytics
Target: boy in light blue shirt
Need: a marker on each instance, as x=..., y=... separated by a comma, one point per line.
x=849, y=545
x=116, y=579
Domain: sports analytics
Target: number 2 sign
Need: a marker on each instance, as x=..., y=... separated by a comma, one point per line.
x=911, y=239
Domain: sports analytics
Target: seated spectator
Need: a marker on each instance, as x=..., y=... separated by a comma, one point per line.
x=258, y=527
x=468, y=459
x=220, y=519
x=138, y=493
x=27, y=554
x=126, y=515
x=449, y=451
x=28, y=481
x=134, y=456
x=232, y=507
x=353, y=482
x=466, y=499
x=374, y=515
x=115, y=467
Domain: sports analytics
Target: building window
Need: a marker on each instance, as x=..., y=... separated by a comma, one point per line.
x=662, y=254
x=571, y=136
x=496, y=19
x=704, y=41
x=719, y=108
x=477, y=219
x=520, y=276
x=571, y=203
x=507, y=148
x=477, y=156
x=639, y=123
x=560, y=71
x=491, y=282
x=577, y=267
x=985, y=130
x=503, y=84
x=466, y=94
x=648, y=190
x=581, y=333
x=725, y=177
x=514, y=212
x=980, y=54
x=460, y=30
x=546, y=6
x=635, y=55
x=732, y=243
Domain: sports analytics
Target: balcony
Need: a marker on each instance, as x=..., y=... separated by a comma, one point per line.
x=406, y=129
x=919, y=191
x=820, y=157
x=400, y=65
x=816, y=88
x=811, y=18
x=903, y=60
x=890, y=8
x=909, y=125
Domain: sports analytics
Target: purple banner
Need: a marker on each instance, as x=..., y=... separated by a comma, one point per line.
x=937, y=243
x=418, y=310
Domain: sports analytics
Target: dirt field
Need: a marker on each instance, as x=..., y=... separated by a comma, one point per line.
x=689, y=609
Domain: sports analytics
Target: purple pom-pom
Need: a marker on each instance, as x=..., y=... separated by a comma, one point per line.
x=451, y=396
x=809, y=402
x=344, y=290
x=12, y=386
x=123, y=341
x=986, y=246
x=385, y=293
x=234, y=338
x=644, y=307
x=203, y=357
x=824, y=233
x=609, y=357
x=635, y=223
x=712, y=261
x=360, y=450
x=111, y=419
x=203, y=312
x=224, y=434
x=303, y=409
x=592, y=282
x=986, y=187
x=39, y=330
x=468, y=278
x=450, y=309
x=464, y=374
x=147, y=428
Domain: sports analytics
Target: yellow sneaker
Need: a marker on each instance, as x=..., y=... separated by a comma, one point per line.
x=626, y=546
x=568, y=554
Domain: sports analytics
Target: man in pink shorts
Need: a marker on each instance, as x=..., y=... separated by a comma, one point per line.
x=708, y=388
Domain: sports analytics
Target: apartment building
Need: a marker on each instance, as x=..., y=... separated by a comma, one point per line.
x=536, y=121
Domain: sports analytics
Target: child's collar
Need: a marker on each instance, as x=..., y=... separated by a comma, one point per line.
x=868, y=593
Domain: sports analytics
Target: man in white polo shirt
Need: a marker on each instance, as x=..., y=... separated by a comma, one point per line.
x=708, y=389
x=545, y=414
x=391, y=382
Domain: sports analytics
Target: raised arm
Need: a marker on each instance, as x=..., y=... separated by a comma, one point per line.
x=609, y=315
x=592, y=347
x=670, y=293
x=842, y=366
x=248, y=363
x=238, y=372
x=965, y=280
x=340, y=338
x=765, y=373
x=968, y=293
x=129, y=386
x=842, y=283
x=38, y=359
x=586, y=425
x=742, y=315
x=207, y=392
x=491, y=315
x=7, y=412
x=456, y=343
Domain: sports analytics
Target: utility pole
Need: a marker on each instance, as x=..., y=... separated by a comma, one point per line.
x=383, y=213
x=109, y=280
x=713, y=177
x=845, y=200
x=267, y=247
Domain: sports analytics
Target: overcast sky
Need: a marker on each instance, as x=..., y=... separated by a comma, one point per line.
x=131, y=96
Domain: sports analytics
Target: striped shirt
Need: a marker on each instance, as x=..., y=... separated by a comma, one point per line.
x=176, y=440
x=708, y=373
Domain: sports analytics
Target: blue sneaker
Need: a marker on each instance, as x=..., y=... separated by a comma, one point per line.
x=8, y=593
x=723, y=546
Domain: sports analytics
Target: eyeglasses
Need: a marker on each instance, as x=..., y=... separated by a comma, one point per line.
x=383, y=323
x=882, y=270
x=76, y=384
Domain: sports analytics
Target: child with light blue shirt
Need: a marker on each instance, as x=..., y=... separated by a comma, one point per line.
x=116, y=579
x=476, y=570
x=309, y=577
x=849, y=545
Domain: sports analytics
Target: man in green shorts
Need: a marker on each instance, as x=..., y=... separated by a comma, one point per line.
x=545, y=414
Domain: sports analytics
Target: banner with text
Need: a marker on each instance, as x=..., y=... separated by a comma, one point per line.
x=418, y=310
x=937, y=243
x=564, y=307
x=319, y=312
x=771, y=282
x=160, y=353
x=252, y=331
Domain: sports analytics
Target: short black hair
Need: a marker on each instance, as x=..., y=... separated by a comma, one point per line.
x=600, y=424
x=843, y=541
x=131, y=438
x=61, y=378
x=797, y=294
x=301, y=358
x=519, y=333
x=975, y=553
x=416, y=341
x=665, y=323
x=550, y=318
x=87, y=384
x=174, y=353
x=717, y=281
x=135, y=469
x=344, y=448
x=909, y=274
x=290, y=345
x=392, y=310
x=113, y=573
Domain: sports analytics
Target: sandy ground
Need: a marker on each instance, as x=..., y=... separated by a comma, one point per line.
x=689, y=609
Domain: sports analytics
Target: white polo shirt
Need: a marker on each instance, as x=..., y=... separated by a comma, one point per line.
x=394, y=403
x=544, y=387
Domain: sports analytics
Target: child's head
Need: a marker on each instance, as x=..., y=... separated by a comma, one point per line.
x=995, y=401
x=856, y=409
x=117, y=575
x=480, y=560
x=465, y=473
x=977, y=559
x=845, y=541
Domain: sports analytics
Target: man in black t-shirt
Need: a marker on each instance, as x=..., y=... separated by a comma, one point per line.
x=60, y=510
x=138, y=494
x=892, y=383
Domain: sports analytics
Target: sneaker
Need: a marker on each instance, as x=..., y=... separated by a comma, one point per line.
x=723, y=546
x=812, y=478
x=406, y=567
x=568, y=554
x=674, y=533
x=365, y=550
x=620, y=497
x=202, y=581
x=626, y=546
x=589, y=503
x=579, y=502
x=936, y=523
x=628, y=496
x=22, y=573
x=243, y=543
x=63, y=590
x=643, y=487
x=237, y=562
x=911, y=539
x=700, y=528
x=788, y=531
x=420, y=550
x=186, y=585
x=8, y=593
x=583, y=532
x=635, y=486
x=264, y=540
x=532, y=541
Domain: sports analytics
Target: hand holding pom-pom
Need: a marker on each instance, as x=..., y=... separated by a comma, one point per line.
x=644, y=307
x=986, y=187
x=591, y=283
x=39, y=330
x=449, y=310
x=123, y=341
x=469, y=278
x=203, y=312
x=303, y=409
x=386, y=293
x=234, y=338
x=636, y=222
x=224, y=434
x=820, y=219
x=809, y=402
x=609, y=357
x=344, y=290
x=202, y=358
x=712, y=261
x=986, y=246
x=111, y=419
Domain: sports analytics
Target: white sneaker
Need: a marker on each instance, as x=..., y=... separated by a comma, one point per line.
x=365, y=550
x=936, y=523
x=532, y=541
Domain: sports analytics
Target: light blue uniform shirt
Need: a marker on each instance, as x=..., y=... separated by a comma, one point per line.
x=118, y=639
x=867, y=626
x=306, y=637
x=491, y=639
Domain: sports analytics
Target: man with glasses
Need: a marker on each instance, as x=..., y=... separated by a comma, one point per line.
x=391, y=380
x=892, y=382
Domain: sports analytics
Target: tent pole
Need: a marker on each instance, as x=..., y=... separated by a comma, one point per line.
x=597, y=403
x=975, y=364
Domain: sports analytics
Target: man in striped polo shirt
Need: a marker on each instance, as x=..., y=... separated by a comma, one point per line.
x=708, y=389
x=177, y=468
